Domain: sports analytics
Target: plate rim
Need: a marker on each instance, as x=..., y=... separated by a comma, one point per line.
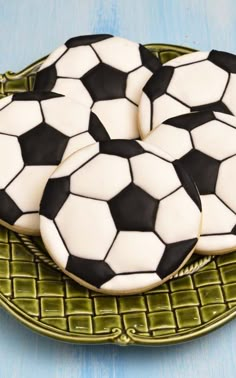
x=117, y=336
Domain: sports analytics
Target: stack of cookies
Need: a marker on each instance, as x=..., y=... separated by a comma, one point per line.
x=125, y=167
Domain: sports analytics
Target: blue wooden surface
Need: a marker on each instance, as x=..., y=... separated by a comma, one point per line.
x=30, y=29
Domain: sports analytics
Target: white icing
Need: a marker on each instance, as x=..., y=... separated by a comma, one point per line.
x=215, y=139
x=178, y=218
x=135, y=83
x=52, y=240
x=87, y=226
x=172, y=139
x=226, y=182
x=78, y=142
x=118, y=52
x=5, y=101
x=66, y=115
x=155, y=150
x=165, y=107
x=27, y=188
x=216, y=243
x=102, y=178
x=81, y=157
x=10, y=159
x=92, y=229
x=28, y=219
x=193, y=83
x=226, y=118
x=217, y=218
x=131, y=281
x=74, y=89
x=119, y=117
x=71, y=64
x=229, y=97
x=127, y=253
x=144, y=115
x=156, y=176
x=188, y=58
x=53, y=57
x=20, y=116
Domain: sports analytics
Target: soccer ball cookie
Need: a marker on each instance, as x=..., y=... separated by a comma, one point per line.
x=120, y=217
x=192, y=82
x=205, y=144
x=37, y=131
x=104, y=72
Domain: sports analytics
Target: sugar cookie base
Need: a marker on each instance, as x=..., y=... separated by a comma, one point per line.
x=19, y=230
x=216, y=252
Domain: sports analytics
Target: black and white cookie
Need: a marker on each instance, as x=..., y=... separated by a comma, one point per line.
x=205, y=144
x=104, y=72
x=192, y=82
x=120, y=216
x=37, y=131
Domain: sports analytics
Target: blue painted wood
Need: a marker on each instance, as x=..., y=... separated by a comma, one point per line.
x=30, y=29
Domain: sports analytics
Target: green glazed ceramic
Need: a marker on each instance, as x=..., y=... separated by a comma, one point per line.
x=197, y=300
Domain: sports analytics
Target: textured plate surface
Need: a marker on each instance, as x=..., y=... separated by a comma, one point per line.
x=41, y=297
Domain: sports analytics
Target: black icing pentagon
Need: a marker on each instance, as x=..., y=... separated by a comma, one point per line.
x=190, y=121
x=218, y=106
x=94, y=272
x=97, y=130
x=35, y=96
x=224, y=60
x=45, y=79
x=187, y=183
x=173, y=256
x=158, y=83
x=133, y=209
x=120, y=147
x=43, y=145
x=55, y=194
x=9, y=211
x=233, y=231
x=203, y=168
x=86, y=40
x=104, y=82
x=148, y=59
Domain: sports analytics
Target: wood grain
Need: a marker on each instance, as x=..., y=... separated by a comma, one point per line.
x=30, y=29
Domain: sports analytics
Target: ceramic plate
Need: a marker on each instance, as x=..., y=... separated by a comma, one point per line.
x=199, y=299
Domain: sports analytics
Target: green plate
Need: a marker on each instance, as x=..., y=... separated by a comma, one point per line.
x=199, y=299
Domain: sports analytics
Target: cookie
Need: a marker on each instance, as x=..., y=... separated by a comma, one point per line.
x=120, y=217
x=104, y=72
x=37, y=131
x=205, y=144
x=192, y=82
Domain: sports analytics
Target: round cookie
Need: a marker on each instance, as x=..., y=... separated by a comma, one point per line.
x=104, y=72
x=192, y=82
x=205, y=144
x=120, y=217
x=37, y=131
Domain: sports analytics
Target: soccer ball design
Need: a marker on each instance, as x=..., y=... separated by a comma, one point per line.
x=38, y=131
x=120, y=216
x=205, y=144
x=104, y=72
x=192, y=82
